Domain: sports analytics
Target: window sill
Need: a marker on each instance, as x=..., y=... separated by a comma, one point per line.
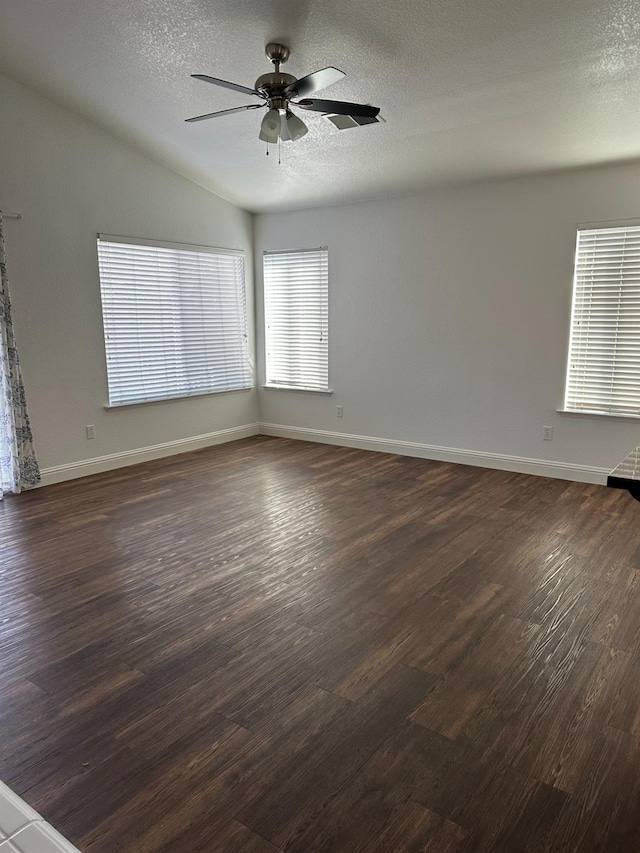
x=589, y=414
x=296, y=388
x=156, y=400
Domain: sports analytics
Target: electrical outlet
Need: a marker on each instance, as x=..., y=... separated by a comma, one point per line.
x=547, y=433
x=90, y=430
x=338, y=411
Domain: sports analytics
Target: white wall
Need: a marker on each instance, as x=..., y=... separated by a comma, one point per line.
x=449, y=320
x=71, y=180
x=449, y=310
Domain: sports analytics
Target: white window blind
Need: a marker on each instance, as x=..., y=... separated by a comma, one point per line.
x=296, y=299
x=174, y=320
x=603, y=373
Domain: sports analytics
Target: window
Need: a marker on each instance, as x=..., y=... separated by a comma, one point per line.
x=296, y=304
x=603, y=374
x=175, y=321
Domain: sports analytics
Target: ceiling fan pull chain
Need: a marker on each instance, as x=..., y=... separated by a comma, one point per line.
x=279, y=160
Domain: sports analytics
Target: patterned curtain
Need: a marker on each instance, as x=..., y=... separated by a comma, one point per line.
x=18, y=463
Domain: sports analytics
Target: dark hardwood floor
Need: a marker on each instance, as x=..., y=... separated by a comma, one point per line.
x=274, y=645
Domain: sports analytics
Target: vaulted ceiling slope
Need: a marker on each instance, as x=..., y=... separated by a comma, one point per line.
x=469, y=89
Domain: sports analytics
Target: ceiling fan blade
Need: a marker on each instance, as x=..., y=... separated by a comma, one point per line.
x=226, y=85
x=340, y=107
x=226, y=112
x=313, y=82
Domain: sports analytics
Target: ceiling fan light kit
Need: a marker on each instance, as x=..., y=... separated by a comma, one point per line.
x=270, y=127
x=292, y=127
x=277, y=91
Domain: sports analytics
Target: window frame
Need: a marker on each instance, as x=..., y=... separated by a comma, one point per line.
x=283, y=386
x=615, y=224
x=186, y=247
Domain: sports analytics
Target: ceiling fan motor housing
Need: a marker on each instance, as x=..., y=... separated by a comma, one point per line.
x=272, y=85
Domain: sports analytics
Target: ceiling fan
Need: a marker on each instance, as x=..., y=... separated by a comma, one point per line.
x=277, y=90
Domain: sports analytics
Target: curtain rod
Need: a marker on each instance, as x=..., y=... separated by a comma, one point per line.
x=12, y=216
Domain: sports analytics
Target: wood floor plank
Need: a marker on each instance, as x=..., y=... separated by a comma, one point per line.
x=208, y=837
x=562, y=758
x=441, y=633
x=289, y=804
x=459, y=694
x=602, y=814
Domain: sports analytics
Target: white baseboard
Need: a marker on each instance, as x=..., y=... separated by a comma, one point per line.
x=59, y=473
x=518, y=464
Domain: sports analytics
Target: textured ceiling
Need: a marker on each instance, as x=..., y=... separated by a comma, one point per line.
x=469, y=88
